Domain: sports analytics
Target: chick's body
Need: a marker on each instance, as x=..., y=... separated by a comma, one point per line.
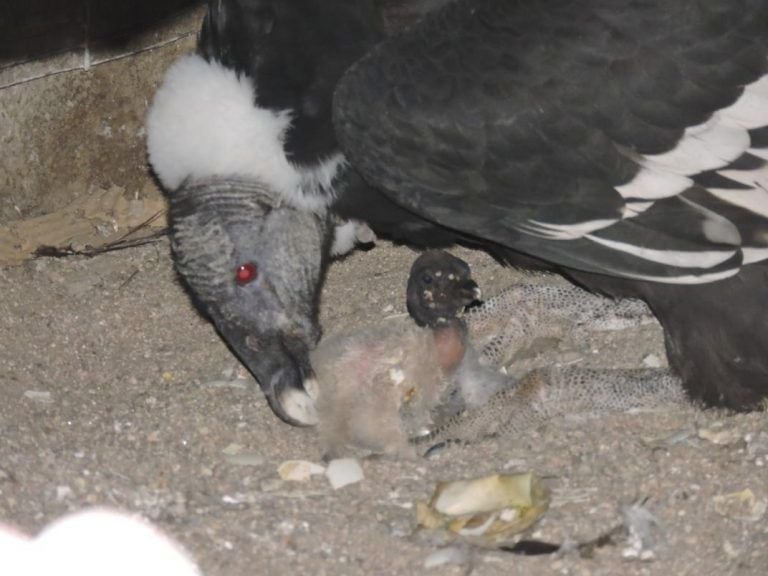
x=381, y=386
x=377, y=386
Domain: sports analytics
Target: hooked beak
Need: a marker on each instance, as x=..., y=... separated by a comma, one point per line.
x=281, y=366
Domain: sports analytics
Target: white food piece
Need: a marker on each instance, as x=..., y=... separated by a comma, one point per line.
x=343, y=472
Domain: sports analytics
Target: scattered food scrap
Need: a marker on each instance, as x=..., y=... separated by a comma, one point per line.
x=488, y=511
x=299, y=470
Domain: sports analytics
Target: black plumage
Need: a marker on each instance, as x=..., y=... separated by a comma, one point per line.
x=621, y=143
x=550, y=100
x=295, y=52
x=520, y=121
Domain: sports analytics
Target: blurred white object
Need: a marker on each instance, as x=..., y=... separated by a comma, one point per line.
x=94, y=542
x=343, y=472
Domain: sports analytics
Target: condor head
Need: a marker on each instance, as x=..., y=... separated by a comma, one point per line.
x=255, y=266
x=249, y=228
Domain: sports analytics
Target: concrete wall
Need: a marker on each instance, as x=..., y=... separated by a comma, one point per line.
x=72, y=121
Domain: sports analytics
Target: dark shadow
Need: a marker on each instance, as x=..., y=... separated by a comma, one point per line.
x=32, y=29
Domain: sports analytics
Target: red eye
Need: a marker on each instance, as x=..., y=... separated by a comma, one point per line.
x=246, y=273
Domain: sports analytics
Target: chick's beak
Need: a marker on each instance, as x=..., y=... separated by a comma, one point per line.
x=469, y=291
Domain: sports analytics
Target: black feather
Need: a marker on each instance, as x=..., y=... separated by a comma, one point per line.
x=295, y=52
x=498, y=118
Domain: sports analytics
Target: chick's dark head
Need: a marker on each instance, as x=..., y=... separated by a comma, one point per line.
x=439, y=288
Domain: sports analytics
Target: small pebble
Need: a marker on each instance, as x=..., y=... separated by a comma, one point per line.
x=228, y=373
x=343, y=472
x=652, y=361
x=443, y=556
x=39, y=396
x=232, y=449
x=63, y=492
x=299, y=470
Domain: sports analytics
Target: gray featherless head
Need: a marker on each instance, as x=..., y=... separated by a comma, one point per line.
x=255, y=265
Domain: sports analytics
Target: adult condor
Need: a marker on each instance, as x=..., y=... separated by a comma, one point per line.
x=621, y=143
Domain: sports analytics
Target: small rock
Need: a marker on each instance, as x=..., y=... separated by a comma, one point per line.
x=39, y=396
x=63, y=492
x=443, y=556
x=652, y=361
x=228, y=373
x=343, y=472
x=299, y=470
x=232, y=449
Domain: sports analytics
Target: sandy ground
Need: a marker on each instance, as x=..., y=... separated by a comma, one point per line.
x=114, y=391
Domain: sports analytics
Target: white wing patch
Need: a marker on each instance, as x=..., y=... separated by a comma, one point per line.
x=751, y=109
x=687, y=278
x=632, y=209
x=759, y=152
x=714, y=144
x=204, y=122
x=752, y=255
x=708, y=146
x=755, y=199
x=565, y=231
x=652, y=183
x=716, y=228
x=711, y=146
x=677, y=258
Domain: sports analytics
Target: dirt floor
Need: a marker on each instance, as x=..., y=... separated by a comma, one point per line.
x=114, y=391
